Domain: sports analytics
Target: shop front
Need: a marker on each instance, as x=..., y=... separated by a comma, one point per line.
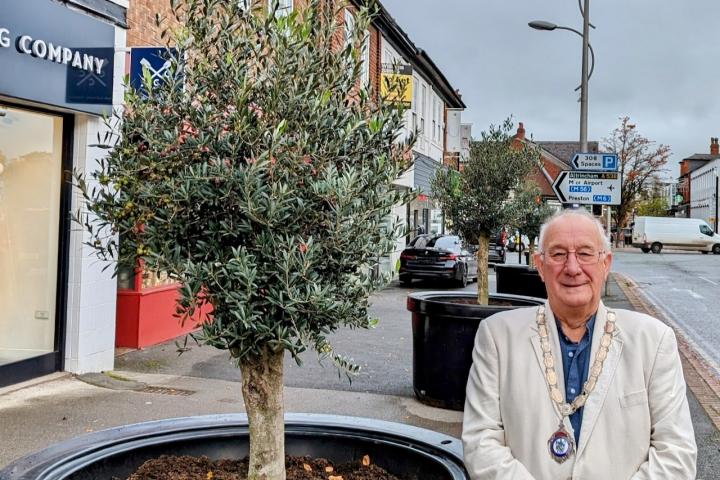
x=62, y=65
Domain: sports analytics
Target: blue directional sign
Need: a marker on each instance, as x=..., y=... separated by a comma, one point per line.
x=588, y=188
x=605, y=162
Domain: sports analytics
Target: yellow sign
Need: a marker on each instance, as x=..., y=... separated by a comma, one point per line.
x=396, y=84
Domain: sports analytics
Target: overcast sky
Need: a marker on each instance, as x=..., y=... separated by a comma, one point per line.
x=657, y=61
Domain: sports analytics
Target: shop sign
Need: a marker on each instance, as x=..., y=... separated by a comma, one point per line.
x=157, y=61
x=57, y=56
x=396, y=76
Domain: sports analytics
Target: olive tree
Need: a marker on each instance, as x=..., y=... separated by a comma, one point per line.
x=477, y=201
x=531, y=212
x=260, y=177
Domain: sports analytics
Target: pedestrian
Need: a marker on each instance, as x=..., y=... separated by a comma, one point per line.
x=503, y=237
x=574, y=389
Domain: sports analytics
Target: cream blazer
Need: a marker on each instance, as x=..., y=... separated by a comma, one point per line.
x=636, y=423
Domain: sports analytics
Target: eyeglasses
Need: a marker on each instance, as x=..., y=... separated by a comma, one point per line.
x=583, y=257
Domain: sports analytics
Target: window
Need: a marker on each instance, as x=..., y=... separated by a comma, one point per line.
x=704, y=229
x=349, y=27
x=285, y=7
x=423, y=107
x=434, y=118
x=30, y=218
x=365, y=75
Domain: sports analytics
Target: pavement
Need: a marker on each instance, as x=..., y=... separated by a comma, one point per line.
x=156, y=383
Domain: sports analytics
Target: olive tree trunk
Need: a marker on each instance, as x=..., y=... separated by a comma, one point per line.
x=482, y=261
x=262, y=388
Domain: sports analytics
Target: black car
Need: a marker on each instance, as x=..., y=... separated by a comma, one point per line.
x=437, y=257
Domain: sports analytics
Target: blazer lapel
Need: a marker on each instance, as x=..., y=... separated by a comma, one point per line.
x=557, y=356
x=595, y=401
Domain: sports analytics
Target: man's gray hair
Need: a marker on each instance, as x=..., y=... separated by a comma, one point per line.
x=579, y=212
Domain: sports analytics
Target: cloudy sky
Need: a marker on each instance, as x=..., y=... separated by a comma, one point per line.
x=657, y=61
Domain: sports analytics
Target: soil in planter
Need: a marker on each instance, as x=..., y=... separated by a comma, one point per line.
x=169, y=467
x=473, y=301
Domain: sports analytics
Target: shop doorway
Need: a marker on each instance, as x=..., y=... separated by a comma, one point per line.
x=33, y=156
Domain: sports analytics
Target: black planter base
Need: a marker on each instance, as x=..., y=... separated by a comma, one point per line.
x=519, y=280
x=406, y=451
x=443, y=340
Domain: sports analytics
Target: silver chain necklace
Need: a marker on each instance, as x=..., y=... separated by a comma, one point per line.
x=561, y=443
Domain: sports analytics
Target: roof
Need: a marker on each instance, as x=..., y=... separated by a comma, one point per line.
x=417, y=57
x=702, y=156
x=564, y=151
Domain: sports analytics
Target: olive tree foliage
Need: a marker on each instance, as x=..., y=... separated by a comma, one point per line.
x=478, y=200
x=259, y=176
x=531, y=212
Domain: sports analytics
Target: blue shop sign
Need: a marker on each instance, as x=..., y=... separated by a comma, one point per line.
x=157, y=61
x=56, y=56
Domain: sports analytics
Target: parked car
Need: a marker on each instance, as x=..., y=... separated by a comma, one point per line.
x=512, y=243
x=437, y=257
x=496, y=253
x=651, y=234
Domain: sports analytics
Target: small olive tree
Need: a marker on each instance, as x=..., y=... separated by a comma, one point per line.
x=259, y=176
x=531, y=212
x=477, y=201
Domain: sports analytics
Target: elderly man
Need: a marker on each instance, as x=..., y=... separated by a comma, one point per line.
x=573, y=389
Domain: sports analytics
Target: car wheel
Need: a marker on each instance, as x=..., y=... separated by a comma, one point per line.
x=405, y=280
x=645, y=250
x=716, y=249
x=463, y=280
x=656, y=247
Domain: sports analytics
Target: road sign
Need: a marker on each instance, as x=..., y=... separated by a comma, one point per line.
x=588, y=188
x=595, y=161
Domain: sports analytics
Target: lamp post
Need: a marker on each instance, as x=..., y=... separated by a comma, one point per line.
x=585, y=76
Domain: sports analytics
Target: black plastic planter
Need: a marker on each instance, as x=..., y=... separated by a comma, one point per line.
x=443, y=336
x=409, y=452
x=519, y=280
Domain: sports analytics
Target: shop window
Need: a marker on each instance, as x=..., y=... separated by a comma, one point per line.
x=31, y=146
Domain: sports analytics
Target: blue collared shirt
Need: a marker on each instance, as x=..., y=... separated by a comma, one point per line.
x=576, y=362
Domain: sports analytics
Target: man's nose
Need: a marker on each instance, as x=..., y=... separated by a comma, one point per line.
x=571, y=264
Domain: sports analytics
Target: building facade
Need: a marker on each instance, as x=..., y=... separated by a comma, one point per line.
x=705, y=183
x=63, y=64
x=685, y=184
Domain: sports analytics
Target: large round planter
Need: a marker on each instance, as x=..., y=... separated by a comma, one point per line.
x=406, y=451
x=519, y=280
x=443, y=337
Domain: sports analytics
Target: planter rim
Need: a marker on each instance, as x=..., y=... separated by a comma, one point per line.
x=62, y=459
x=516, y=267
x=440, y=296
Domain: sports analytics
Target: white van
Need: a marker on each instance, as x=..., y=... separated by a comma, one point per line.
x=651, y=234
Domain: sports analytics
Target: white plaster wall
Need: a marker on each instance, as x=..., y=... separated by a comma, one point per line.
x=425, y=143
x=703, y=201
x=92, y=292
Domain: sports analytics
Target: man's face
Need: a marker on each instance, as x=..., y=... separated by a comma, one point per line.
x=578, y=281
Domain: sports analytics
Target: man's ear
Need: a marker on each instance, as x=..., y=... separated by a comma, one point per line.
x=607, y=263
x=539, y=264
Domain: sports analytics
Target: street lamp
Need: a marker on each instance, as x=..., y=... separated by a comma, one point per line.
x=542, y=25
x=547, y=26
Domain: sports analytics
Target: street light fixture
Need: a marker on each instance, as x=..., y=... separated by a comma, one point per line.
x=585, y=12
x=548, y=26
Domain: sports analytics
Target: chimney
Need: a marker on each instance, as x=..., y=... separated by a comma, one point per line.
x=520, y=135
x=714, y=147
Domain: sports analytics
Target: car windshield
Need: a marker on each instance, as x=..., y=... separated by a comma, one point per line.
x=451, y=243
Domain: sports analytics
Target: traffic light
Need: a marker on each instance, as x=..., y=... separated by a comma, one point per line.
x=597, y=210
